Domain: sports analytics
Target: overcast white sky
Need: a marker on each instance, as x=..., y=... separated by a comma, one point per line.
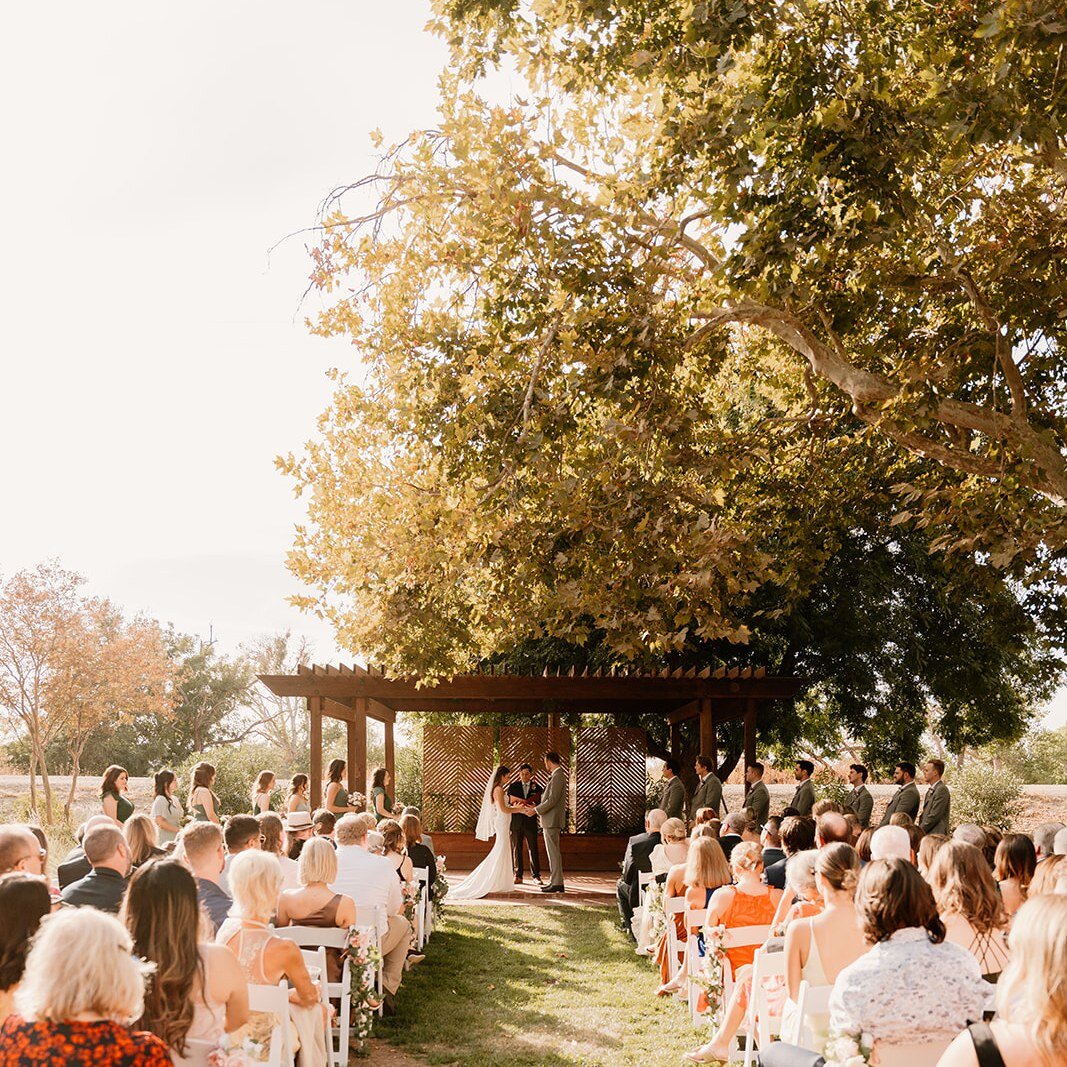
x=154, y=358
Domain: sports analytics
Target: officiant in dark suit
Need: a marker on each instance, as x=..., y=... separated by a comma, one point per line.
x=524, y=827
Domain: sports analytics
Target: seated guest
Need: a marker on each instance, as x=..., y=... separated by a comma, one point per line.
x=394, y=850
x=747, y=903
x=315, y=903
x=831, y=827
x=1014, y=866
x=371, y=881
x=863, y=845
x=855, y=827
x=672, y=849
x=929, y=847
x=24, y=902
x=801, y=898
x=76, y=866
x=993, y=837
x=42, y=856
x=140, y=833
x=752, y=829
x=75, y=1007
x=197, y=991
x=819, y=948
x=915, y=838
x=901, y=818
x=21, y=851
x=733, y=826
x=323, y=823
x=1044, y=837
x=899, y=920
x=241, y=833
x=970, y=906
x=970, y=834
x=104, y=886
x=421, y=854
x=271, y=841
x=824, y=807
x=1030, y=1029
x=771, y=841
x=298, y=829
x=256, y=881
x=891, y=842
x=637, y=860
x=427, y=840
x=202, y=845
x=1050, y=877
x=798, y=835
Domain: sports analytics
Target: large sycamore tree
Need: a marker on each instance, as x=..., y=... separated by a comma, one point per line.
x=723, y=291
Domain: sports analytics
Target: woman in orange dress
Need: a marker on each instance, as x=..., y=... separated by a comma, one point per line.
x=747, y=903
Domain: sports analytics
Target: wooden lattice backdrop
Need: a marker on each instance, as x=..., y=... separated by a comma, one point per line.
x=609, y=779
x=457, y=762
x=528, y=744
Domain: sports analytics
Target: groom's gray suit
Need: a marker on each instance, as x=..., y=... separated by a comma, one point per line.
x=553, y=812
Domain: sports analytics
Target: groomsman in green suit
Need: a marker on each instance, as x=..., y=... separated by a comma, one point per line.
x=804, y=798
x=758, y=800
x=708, y=793
x=906, y=798
x=936, y=803
x=672, y=799
x=859, y=801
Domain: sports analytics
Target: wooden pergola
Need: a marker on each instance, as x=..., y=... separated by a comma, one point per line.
x=355, y=694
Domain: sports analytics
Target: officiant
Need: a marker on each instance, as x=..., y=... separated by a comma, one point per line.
x=524, y=827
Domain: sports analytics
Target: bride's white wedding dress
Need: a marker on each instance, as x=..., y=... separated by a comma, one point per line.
x=495, y=873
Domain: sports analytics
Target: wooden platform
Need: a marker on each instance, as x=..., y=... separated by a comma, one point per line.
x=600, y=853
x=583, y=889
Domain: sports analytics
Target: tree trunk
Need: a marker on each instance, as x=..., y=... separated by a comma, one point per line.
x=75, y=770
x=33, y=780
x=46, y=790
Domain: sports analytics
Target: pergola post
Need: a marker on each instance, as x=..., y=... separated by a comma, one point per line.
x=708, y=746
x=357, y=748
x=315, y=708
x=676, y=740
x=750, y=737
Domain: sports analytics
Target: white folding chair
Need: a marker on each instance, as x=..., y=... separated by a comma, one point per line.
x=813, y=1002
x=673, y=906
x=695, y=918
x=275, y=999
x=759, y=1024
x=422, y=876
x=324, y=938
x=368, y=915
x=920, y=1054
x=644, y=879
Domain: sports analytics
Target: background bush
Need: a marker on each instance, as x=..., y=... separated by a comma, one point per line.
x=981, y=796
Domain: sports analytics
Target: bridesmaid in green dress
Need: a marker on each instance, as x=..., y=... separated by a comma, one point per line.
x=298, y=795
x=335, y=799
x=203, y=804
x=113, y=794
x=381, y=801
x=261, y=792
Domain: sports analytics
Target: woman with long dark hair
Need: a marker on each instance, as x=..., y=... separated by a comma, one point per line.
x=24, y=902
x=198, y=990
x=1014, y=866
x=202, y=801
x=297, y=798
x=261, y=791
x=113, y=791
x=335, y=798
x=381, y=802
x=167, y=810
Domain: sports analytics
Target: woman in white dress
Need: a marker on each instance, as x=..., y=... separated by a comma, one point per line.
x=494, y=874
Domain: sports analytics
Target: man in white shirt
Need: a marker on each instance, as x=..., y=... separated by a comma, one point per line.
x=372, y=880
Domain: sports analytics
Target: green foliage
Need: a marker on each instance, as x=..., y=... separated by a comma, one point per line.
x=981, y=796
x=237, y=768
x=829, y=786
x=1039, y=757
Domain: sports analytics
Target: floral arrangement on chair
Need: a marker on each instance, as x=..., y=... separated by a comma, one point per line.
x=248, y=1045
x=439, y=890
x=848, y=1050
x=657, y=917
x=710, y=978
x=412, y=895
x=364, y=959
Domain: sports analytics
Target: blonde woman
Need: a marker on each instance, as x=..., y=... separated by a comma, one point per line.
x=801, y=899
x=140, y=834
x=673, y=847
x=1030, y=1029
x=76, y=1008
x=929, y=847
x=970, y=906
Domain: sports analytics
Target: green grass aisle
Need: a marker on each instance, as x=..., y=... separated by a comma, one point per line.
x=507, y=986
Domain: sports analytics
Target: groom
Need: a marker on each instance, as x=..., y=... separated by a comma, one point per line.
x=553, y=812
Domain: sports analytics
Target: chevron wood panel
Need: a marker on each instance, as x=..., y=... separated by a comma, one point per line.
x=524, y=744
x=457, y=763
x=609, y=779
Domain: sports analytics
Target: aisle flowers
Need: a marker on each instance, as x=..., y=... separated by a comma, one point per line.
x=364, y=959
x=847, y=1050
x=657, y=917
x=710, y=978
x=248, y=1045
x=412, y=895
x=439, y=890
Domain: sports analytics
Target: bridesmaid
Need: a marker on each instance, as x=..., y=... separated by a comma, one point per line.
x=202, y=801
x=167, y=810
x=261, y=792
x=335, y=799
x=381, y=801
x=297, y=799
x=113, y=791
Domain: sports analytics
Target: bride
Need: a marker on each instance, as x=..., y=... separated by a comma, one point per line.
x=494, y=874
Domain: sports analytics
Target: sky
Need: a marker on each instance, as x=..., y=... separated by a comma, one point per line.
x=152, y=340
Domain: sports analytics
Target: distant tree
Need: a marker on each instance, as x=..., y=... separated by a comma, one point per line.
x=281, y=722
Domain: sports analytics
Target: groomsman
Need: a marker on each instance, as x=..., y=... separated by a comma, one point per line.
x=906, y=798
x=708, y=793
x=524, y=827
x=859, y=801
x=672, y=800
x=804, y=797
x=936, y=803
x=758, y=800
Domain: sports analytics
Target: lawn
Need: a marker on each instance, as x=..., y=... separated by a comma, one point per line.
x=503, y=986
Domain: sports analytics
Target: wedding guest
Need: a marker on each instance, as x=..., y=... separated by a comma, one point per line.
x=298, y=830
x=970, y=906
x=261, y=791
x=747, y=903
x=672, y=849
x=826, y=806
x=76, y=866
x=314, y=903
x=427, y=840
x=933, y=818
x=21, y=851
x=1050, y=873
x=854, y=828
x=140, y=834
x=801, y=898
x=323, y=823
x=637, y=860
x=1030, y=1029
x=1014, y=866
x=771, y=841
x=167, y=810
x=901, y=818
x=859, y=800
x=819, y=948
x=804, y=797
x=113, y=790
x=241, y=833
x=203, y=804
x=335, y=798
x=371, y=880
x=708, y=792
x=42, y=854
x=104, y=886
x=24, y=902
x=256, y=880
x=891, y=842
x=906, y=799
x=730, y=835
x=272, y=841
x=831, y=827
x=863, y=845
x=929, y=847
x=714, y=828
x=1044, y=837
x=672, y=794
x=420, y=854
x=394, y=849
x=197, y=991
x=915, y=838
x=297, y=797
x=1059, y=843
x=970, y=834
x=79, y=1014
x=899, y=919
x=798, y=835
x=201, y=843
x=752, y=829
x=757, y=800
x=993, y=838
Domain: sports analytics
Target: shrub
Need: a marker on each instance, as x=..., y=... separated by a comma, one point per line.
x=981, y=796
x=828, y=786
